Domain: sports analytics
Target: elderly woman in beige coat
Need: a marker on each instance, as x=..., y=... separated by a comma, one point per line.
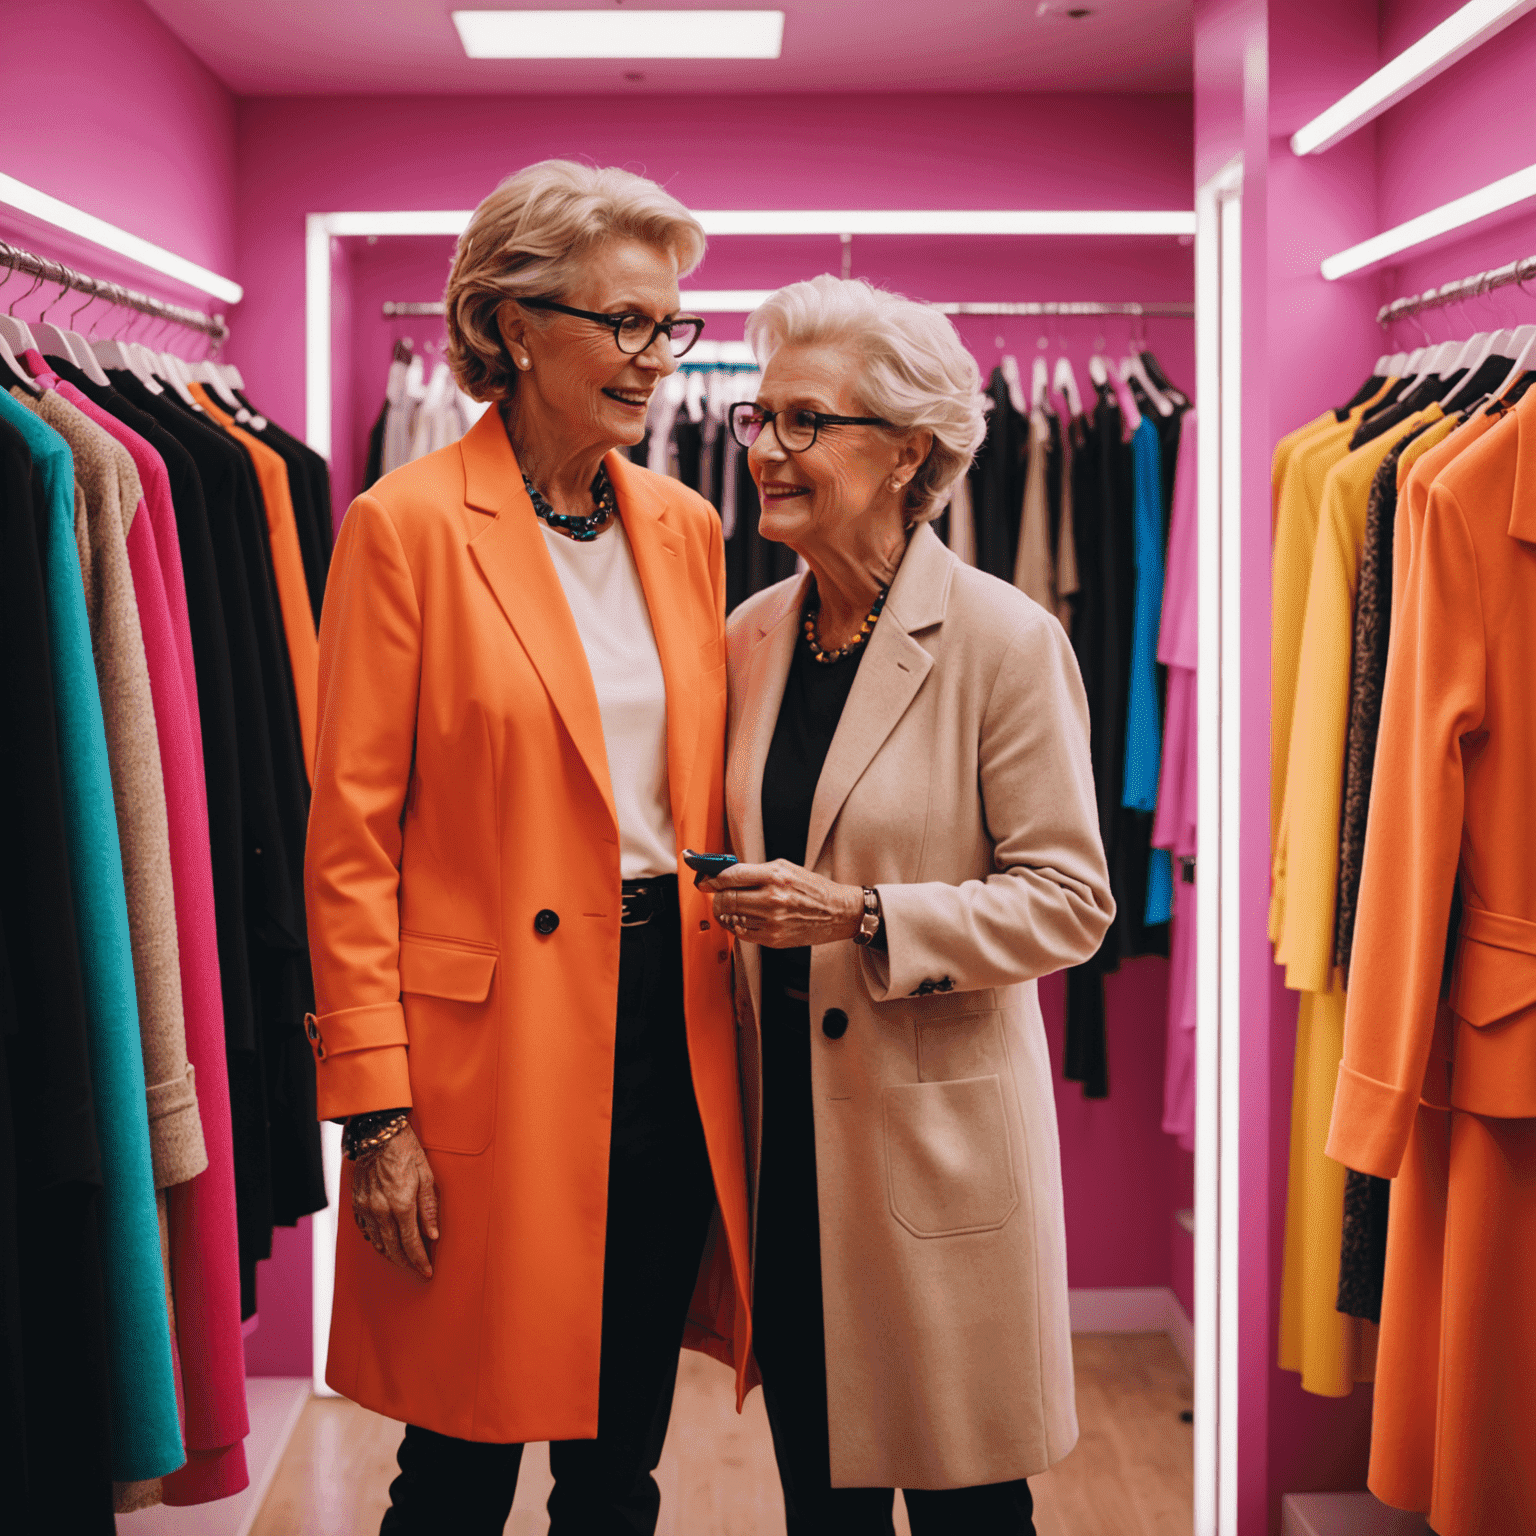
x=909, y=790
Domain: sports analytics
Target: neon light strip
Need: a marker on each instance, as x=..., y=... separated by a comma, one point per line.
x=856, y=221
x=1436, y=51
x=64, y=216
x=1518, y=187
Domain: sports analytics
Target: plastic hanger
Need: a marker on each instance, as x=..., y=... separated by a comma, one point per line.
x=1064, y=383
x=53, y=342
x=1132, y=367
x=14, y=331
x=1525, y=358
x=9, y=359
x=1009, y=365
x=207, y=374
x=1039, y=383
x=1496, y=345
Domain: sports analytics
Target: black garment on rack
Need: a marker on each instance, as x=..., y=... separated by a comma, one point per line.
x=1426, y=392
x=997, y=482
x=373, y=464
x=317, y=475
x=278, y=1175
x=313, y=520
x=55, y=1426
x=687, y=445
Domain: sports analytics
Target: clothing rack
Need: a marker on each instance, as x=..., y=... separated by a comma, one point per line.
x=395, y=307
x=1455, y=293
x=56, y=272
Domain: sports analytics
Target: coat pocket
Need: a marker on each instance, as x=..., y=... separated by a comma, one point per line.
x=949, y=1166
x=454, y=1042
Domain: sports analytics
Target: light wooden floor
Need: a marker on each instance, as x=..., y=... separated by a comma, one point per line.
x=1130, y=1475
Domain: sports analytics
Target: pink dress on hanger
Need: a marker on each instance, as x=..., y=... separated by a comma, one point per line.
x=1174, y=825
x=204, y=1240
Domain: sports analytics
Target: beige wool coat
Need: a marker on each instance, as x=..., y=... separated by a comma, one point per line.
x=959, y=785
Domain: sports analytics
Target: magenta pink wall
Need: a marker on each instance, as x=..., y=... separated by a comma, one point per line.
x=304, y=155
x=107, y=110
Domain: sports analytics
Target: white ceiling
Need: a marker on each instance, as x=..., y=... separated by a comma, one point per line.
x=388, y=47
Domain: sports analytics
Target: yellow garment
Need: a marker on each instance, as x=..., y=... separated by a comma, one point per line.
x=1410, y=455
x=1330, y=1350
x=1287, y=446
x=1306, y=874
x=1296, y=514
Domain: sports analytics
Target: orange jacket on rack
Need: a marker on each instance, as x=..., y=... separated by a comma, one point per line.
x=463, y=897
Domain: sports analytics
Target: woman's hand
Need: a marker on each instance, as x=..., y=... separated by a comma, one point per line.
x=394, y=1201
x=784, y=906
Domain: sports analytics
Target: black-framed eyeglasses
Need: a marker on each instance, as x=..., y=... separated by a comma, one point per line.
x=796, y=429
x=634, y=332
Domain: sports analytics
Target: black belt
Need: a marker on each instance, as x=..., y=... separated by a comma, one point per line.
x=645, y=899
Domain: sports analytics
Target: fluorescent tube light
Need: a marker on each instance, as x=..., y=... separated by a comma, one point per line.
x=1494, y=198
x=948, y=221
x=853, y=221
x=63, y=216
x=621, y=34
x=1437, y=50
x=724, y=301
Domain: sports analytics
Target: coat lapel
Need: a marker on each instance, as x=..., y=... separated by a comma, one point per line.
x=511, y=556
x=889, y=678
x=661, y=559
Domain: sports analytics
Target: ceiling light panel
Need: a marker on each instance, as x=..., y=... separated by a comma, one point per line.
x=621, y=34
x=1436, y=51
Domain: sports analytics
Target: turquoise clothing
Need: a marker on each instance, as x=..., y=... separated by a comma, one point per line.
x=1143, y=725
x=146, y=1434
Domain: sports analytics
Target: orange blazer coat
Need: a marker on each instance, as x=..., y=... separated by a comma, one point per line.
x=461, y=790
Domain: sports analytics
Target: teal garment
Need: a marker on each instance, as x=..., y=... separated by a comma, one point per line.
x=1143, y=723
x=146, y=1434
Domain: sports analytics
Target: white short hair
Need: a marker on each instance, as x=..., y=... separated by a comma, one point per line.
x=915, y=371
x=529, y=239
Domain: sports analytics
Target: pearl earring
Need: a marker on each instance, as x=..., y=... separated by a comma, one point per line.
x=523, y=362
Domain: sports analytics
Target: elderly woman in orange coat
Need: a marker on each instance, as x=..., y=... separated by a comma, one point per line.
x=523, y=1017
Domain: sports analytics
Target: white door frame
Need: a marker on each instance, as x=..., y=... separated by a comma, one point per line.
x=1218, y=292
x=1218, y=351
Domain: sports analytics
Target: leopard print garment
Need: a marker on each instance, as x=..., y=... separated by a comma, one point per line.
x=1368, y=670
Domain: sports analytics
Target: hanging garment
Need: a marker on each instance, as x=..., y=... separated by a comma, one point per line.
x=1064, y=539
x=406, y=389
x=1143, y=726
x=1330, y=1350
x=997, y=481
x=53, y=1360
x=277, y=1144
x=1174, y=827
x=1297, y=501
x=1033, y=572
x=146, y=1437
x=288, y=568
x=109, y=485
x=1442, y=1096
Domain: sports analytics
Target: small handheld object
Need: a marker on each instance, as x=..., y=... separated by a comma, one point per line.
x=707, y=865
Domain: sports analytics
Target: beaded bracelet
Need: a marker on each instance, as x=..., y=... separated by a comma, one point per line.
x=353, y=1146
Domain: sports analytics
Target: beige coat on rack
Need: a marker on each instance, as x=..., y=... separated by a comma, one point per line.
x=959, y=785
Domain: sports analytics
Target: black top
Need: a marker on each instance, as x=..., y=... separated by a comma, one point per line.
x=814, y=695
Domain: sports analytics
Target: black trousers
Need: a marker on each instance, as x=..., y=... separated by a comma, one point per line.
x=789, y=1331
x=660, y=1199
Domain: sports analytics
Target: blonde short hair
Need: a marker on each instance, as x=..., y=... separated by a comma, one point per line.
x=529, y=238
x=916, y=370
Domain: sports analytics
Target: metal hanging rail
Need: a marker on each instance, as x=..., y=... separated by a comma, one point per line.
x=57, y=273
x=1455, y=293
x=393, y=308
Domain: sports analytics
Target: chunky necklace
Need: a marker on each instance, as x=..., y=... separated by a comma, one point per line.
x=582, y=529
x=827, y=658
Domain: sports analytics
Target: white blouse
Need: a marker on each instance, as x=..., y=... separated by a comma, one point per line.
x=602, y=585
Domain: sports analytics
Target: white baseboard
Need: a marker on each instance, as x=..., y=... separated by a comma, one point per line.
x=1134, y=1309
x=274, y=1404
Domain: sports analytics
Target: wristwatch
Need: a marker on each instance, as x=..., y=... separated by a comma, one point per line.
x=869, y=927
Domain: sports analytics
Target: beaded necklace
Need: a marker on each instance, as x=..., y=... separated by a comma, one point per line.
x=829, y=658
x=585, y=528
